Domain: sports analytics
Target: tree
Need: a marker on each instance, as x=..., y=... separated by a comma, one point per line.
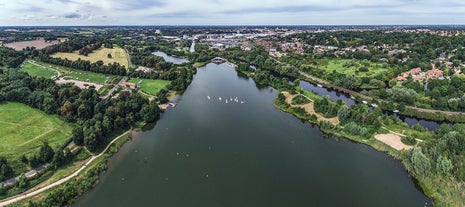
x=5, y=169
x=59, y=158
x=78, y=136
x=347, y=82
x=109, y=55
x=67, y=110
x=149, y=112
x=444, y=166
x=46, y=152
x=401, y=94
x=343, y=113
x=22, y=182
x=420, y=163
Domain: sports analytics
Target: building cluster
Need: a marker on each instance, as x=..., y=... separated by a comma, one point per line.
x=418, y=75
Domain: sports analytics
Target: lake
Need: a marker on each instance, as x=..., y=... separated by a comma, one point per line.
x=209, y=153
x=171, y=59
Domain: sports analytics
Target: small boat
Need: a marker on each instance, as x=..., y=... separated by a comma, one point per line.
x=208, y=97
x=219, y=98
x=320, y=86
x=396, y=111
x=230, y=99
x=352, y=97
x=364, y=102
x=226, y=100
x=242, y=102
x=374, y=105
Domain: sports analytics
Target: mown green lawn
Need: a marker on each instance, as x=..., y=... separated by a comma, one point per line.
x=80, y=74
x=350, y=67
x=149, y=86
x=23, y=129
x=37, y=71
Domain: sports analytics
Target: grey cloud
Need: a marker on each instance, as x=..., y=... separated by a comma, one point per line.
x=72, y=16
x=301, y=8
x=186, y=14
x=141, y=4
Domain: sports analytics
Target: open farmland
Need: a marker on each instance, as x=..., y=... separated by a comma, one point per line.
x=38, y=44
x=23, y=129
x=149, y=86
x=118, y=55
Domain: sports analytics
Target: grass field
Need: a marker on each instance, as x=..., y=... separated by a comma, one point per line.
x=34, y=70
x=151, y=87
x=118, y=55
x=80, y=74
x=23, y=129
x=86, y=76
x=351, y=67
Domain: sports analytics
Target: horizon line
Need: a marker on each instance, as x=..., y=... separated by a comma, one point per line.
x=230, y=25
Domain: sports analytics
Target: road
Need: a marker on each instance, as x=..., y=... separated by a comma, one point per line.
x=345, y=90
x=17, y=198
x=129, y=59
x=114, y=88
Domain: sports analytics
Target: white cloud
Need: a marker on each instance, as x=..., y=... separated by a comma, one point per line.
x=195, y=12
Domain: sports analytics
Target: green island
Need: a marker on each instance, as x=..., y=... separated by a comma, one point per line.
x=77, y=102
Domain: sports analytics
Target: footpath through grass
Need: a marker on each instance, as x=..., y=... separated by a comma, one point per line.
x=23, y=129
x=81, y=75
x=37, y=71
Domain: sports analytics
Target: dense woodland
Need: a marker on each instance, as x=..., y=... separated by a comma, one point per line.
x=94, y=118
x=11, y=58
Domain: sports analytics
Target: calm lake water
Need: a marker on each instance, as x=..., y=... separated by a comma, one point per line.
x=171, y=59
x=209, y=153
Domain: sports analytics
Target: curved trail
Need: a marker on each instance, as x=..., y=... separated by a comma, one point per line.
x=17, y=198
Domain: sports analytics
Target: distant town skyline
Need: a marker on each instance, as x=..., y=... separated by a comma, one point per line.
x=224, y=12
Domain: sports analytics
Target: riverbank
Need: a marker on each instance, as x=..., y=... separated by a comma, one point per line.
x=91, y=170
x=445, y=192
x=412, y=111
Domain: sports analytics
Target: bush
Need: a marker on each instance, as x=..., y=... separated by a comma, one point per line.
x=300, y=100
x=408, y=140
x=363, y=69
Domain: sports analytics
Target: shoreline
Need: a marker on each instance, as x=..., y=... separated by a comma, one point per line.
x=85, y=167
x=375, y=144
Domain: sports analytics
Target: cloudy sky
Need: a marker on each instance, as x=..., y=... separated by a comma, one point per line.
x=230, y=12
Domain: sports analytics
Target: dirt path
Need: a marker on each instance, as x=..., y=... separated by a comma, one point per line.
x=393, y=140
x=57, y=71
x=17, y=198
x=309, y=109
x=80, y=84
